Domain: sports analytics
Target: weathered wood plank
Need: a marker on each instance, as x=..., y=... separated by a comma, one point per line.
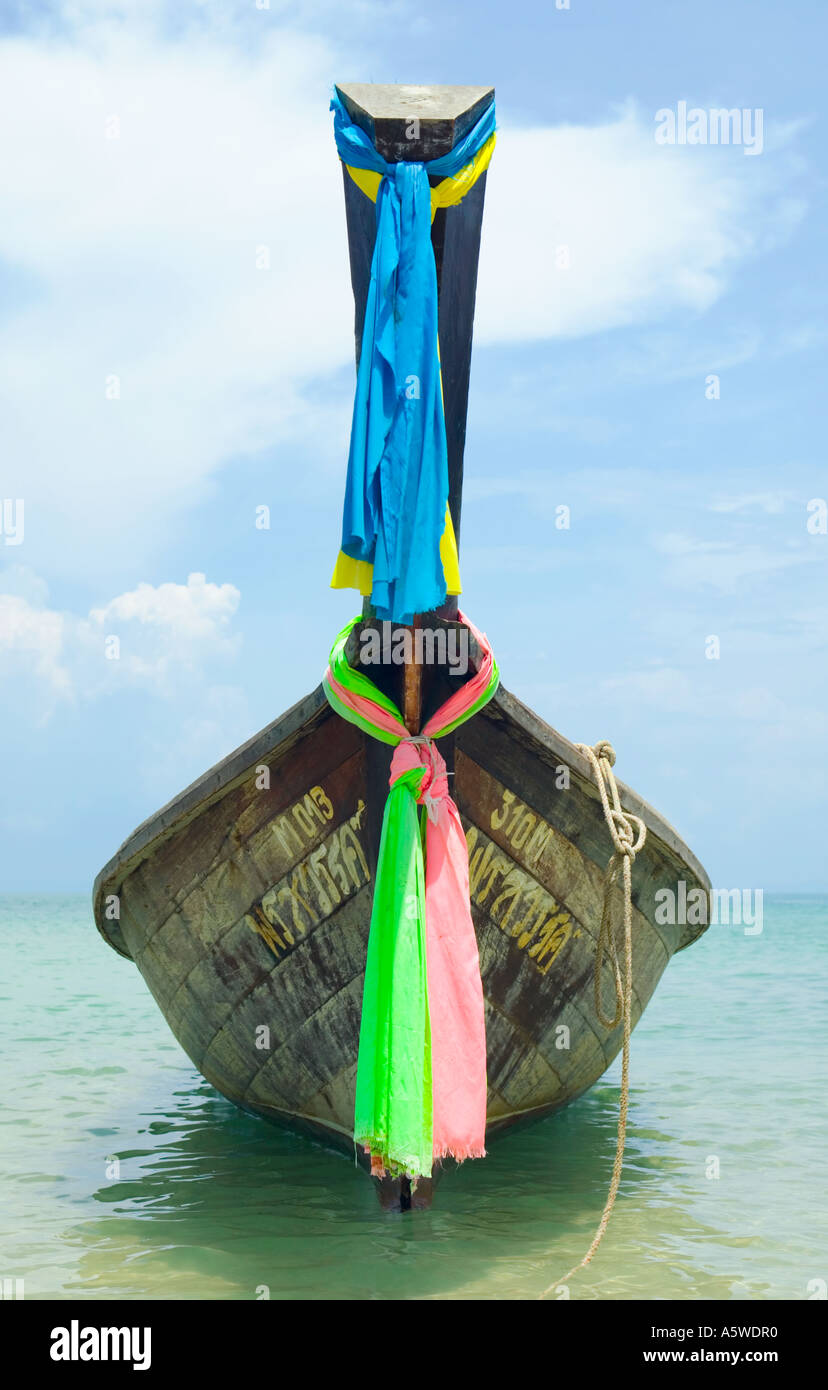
x=246, y=830
x=270, y=929
x=390, y=115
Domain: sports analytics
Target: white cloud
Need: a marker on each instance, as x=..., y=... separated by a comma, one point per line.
x=662, y=355
x=649, y=229
x=770, y=502
x=34, y=639
x=22, y=581
x=187, y=614
x=163, y=635
x=725, y=565
x=135, y=257
x=673, y=691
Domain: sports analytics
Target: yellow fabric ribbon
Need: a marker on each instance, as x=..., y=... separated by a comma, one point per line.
x=359, y=574
x=447, y=192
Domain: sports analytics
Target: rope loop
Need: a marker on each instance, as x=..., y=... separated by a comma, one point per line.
x=628, y=834
x=602, y=749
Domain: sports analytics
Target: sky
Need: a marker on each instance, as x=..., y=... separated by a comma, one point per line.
x=176, y=351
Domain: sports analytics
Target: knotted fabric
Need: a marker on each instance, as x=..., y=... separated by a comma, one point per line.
x=396, y=494
x=421, y=1073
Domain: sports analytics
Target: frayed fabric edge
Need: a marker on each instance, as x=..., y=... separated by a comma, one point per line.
x=384, y=1165
x=460, y=1155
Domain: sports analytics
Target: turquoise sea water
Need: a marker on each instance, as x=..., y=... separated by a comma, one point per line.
x=728, y=1064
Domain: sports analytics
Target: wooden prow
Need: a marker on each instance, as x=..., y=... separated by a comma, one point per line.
x=413, y=686
x=443, y=115
x=421, y=123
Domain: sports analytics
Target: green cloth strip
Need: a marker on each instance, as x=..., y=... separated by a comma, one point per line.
x=392, y=1116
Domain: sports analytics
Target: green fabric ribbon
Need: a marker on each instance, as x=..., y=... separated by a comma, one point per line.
x=393, y=1110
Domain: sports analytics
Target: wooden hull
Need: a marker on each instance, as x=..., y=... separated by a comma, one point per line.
x=246, y=905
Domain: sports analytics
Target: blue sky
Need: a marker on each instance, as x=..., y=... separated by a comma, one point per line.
x=150, y=149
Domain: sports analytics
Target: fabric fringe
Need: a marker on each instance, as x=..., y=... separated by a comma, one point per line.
x=460, y=1156
x=383, y=1166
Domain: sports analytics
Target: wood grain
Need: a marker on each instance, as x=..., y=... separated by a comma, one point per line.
x=250, y=911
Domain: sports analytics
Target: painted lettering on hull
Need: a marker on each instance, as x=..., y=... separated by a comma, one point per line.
x=314, y=888
x=519, y=905
x=525, y=831
x=300, y=824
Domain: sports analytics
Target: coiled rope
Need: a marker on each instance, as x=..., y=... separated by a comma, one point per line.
x=628, y=833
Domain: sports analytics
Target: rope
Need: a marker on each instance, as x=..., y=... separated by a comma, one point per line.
x=628, y=833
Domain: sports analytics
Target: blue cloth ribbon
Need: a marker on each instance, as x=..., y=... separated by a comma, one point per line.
x=397, y=488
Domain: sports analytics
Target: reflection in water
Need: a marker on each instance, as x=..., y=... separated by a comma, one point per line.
x=724, y=1150
x=217, y=1204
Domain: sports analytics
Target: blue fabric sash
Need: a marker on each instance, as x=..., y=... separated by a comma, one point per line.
x=397, y=487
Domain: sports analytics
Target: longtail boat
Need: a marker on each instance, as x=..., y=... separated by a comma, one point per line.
x=246, y=902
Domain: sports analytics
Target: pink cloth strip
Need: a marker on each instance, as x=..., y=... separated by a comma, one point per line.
x=455, y=991
x=368, y=709
x=462, y=699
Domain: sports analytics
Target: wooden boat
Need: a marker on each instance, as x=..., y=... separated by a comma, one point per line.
x=246, y=901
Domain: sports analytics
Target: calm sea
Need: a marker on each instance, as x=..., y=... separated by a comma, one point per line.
x=723, y=1194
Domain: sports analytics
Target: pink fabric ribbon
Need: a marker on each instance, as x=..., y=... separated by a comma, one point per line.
x=455, y=992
